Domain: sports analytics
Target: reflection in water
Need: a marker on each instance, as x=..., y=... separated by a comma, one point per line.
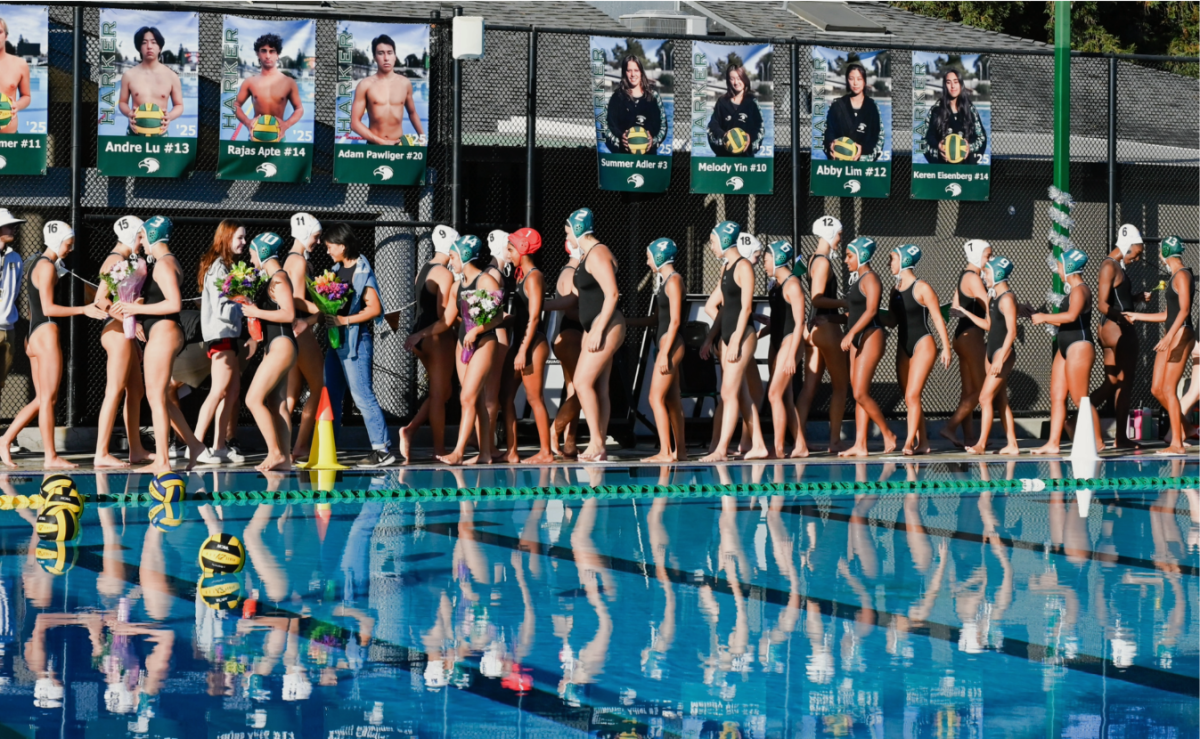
x=871, y=614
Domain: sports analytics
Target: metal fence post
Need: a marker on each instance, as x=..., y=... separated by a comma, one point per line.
x=530, y=124
x=1112, y=152
x=795, y=146
x=456, y=144
x=73, y=332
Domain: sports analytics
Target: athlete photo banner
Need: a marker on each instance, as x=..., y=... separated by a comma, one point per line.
x=952, y=126
x=733, y=119
x=268, y=79
x=148, y=93
x=382, y=103
x=851, y=123
x=633, y=96
x=24, y=83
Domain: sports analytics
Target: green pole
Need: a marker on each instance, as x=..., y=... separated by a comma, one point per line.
x=1062, y=115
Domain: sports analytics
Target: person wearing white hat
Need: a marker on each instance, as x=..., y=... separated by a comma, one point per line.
x=1118, y=337
x=969, y=342
x=42, y=347
x=501, y=270
x=310, y=363
x=430, y=341
x=124, y=358
x=825, y=335
x=12, y=269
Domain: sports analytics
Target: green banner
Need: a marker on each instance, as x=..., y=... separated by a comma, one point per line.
x=733, y=176
x=371, y=164
x=142, y=156
x=850, y=179
x=950, y=182
x=634, y=172
x=22, y=153
x=266, y=162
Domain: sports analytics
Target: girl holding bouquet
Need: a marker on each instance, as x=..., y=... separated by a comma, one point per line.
x=351, y=355
x=266, y=396
x=126, y=270
x=502, y=272
x=530, y=348
x=477, y=301
x=306, y=232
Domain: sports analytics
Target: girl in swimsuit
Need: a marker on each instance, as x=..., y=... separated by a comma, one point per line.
x=266, y=397
x=501, y=271
x=1076, y=353
x=825, y=335
x=735, y=295
x=431, y=343
x=473, y=374
x=528, y=357
x=786, y=298
x=970, y=296
x=309, y=367
x=161, y=302
x=912, y=305
x=45, y=356
x=1171, y=353
x=1000, y=322
x=603, y=323
x=865, y=341
x=124, y=362
x=1118, y=337
x=568, y=345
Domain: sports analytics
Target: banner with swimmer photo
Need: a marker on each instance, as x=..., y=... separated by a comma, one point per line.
x=24, y=87
x=733, y=119
x=952, y=126
x=633, y=97
x=851, y=123
x=382, y=103
x=268, y=80
x=149, y=62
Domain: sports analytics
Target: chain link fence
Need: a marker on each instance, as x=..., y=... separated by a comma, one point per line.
x=1156, y=173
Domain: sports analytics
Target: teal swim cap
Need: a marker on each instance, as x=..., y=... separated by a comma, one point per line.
x=1172, y=246
x=662, y=251
x=266, y=245
x=782, y=253
x=1073, y=261
x=910, y=254
x=863, y=248
x=727, y=233
x=467, y=248
x=157, y=229
x=1001, y=268
x=581, y=222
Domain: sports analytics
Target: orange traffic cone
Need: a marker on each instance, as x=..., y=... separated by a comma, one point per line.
x=323, y=455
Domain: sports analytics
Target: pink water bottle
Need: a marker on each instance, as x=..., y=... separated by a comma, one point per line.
x=1133, y=427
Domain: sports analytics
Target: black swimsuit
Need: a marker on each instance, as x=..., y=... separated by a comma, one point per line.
x=1120, y=298
x=912, y=319
x=858, y=306
x=568, y=323
x=831, y=285
x=1172, y=299
x=1078, y=330
x=662, y=302
x=153, y=294
x=591, y=297
x=783, y=321
x=462, y=309
x=271, y=329
x=37, y=318
x=520, y=314
x=731, y=302
x=998, y=333
x=427, y=307
x=971, y=305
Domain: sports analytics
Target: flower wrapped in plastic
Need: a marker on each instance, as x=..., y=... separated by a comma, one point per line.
x=240, y=285
x=124, y=281
x=330, y=295
x=478, y=308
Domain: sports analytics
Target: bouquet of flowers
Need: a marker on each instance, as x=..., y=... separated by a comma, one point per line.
x=330, y=295
x=124, y=282
x=478, y=308
x=240, y=286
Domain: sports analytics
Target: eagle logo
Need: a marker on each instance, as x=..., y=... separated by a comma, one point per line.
x=852, y=185
x=150, y=164
x=3, y=162
x=636, y=180
x=736, y=183
x=742, y=117
x=385, y=172
x=267, y=169
x=954, y=189
x=862, y=127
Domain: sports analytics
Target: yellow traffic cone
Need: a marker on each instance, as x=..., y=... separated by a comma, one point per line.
x=323, y=455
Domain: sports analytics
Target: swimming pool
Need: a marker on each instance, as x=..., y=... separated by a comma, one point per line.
x=882, y=613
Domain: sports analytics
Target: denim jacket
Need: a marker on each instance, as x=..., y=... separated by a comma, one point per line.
x=364, y=277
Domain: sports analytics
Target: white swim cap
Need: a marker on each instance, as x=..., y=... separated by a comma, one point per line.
x=55, y=233
x=748, y=245
x=443, y=238
x=974, y=250
x=1127, y=236
x=304, y=225
x=126, y=228
x=498, y=245
x=827, y=227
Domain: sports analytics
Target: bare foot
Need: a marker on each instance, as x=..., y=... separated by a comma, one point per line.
x=478, y=459
x=1045, y=449
x=107, y=461
x=157, y=466
x=277, y=463
x=55, y=462
x=1172, y=450
x=570, y=451
x=800, y=452
x=453, y=459
x=977, y=449
x=542, y=457
x=661, y=457
x=857, y=451
x=5, y=455
x=140, y=458
x=299, y=453
x=950, y=437
x=926, y=449
x=715, y=457
x=1011, y=450
x=836, y=448
x=889, y=444
x=406, y=443
x=512, y=457
x=758, y=453
x=908, y=450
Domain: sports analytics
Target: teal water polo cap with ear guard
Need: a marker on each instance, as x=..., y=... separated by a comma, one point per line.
x=467, y=248
x=727, y=234
x=662, y=251
x=581, y=222
x=1001, y=268
x=1073, y=261
x=266, y=245
x=1172, y=246
x=157, y=229
x=863, y=247
x=910, y=254
x=782, y=253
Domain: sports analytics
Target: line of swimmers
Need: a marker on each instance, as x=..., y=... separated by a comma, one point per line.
x=844, y=335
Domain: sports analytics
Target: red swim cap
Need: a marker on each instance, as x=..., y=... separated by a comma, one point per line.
x=526, y=240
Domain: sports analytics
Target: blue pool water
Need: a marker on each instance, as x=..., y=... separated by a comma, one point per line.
x=936, y=614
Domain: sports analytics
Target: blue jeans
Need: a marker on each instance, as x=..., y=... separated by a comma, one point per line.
x=341, y=371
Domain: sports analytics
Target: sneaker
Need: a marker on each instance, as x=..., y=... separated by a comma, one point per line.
x=15, y=448
x=234, y=450
x=208, y=456
x=177, y=451
x=378, y=458
x=227, y=456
